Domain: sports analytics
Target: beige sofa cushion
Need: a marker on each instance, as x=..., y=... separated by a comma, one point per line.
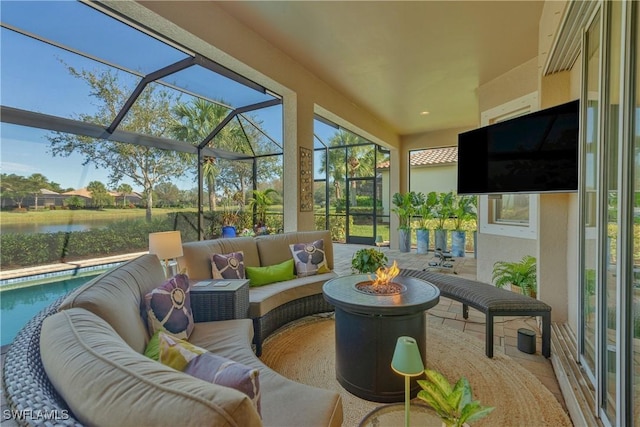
x=197, y=255
x=116, y=296
x=263, y=299
x=283, y=402
x=105, y=382
x=274, y=248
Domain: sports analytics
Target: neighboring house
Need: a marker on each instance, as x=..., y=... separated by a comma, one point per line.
x=434, y=169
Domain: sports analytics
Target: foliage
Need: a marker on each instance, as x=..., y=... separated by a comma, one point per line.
x=443, y=208
x=259, y=202
x=122, y=237
x=75, y=202
x=17, y=187
x=453, y=404
x=337, y=226
x=426, y=204
x=405, y=208
x=521, y=273
x=124, y=189
x=462, y=209
x=151, y=113
x=100, y=197
x=368, y=260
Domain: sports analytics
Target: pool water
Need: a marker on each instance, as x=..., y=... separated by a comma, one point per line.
x=18, y=306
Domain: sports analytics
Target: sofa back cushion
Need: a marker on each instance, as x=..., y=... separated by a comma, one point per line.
x=105, y=382
x=275, y=248
x=197, y=255
x=117, y=297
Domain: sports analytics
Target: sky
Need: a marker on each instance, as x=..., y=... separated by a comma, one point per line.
x=34, y=76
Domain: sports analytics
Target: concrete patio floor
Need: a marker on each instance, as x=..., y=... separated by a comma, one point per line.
x=447, y=312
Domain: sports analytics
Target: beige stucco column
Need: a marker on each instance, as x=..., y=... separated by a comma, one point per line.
x=298, y=132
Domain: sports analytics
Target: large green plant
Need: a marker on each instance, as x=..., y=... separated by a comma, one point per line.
x=462, y=209
x=443, y=208
x=406, y=204
x=453, y=404
x=522, y=274
x=426, y=204
x=368, y=260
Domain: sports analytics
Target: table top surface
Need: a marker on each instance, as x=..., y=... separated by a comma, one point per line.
x=418, y=296
x=217, y=285
x=393, y=415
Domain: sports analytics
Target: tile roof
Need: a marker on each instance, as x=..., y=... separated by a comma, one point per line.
x=432, y=156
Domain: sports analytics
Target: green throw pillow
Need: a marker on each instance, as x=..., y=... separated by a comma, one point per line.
x=259, y=276
x=153, y=348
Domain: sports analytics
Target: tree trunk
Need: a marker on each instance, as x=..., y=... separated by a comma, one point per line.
x=149, y=204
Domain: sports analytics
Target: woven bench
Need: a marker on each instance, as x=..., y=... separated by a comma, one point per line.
x=491, y=301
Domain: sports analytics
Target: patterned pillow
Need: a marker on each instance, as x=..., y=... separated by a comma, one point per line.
x=219, y=370
x=198, y=362
x=169, y=308
x=228, y=266
x=309, y=258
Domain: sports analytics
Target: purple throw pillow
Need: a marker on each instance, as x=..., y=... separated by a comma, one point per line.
x=219, y=370
x=228, y=266
x=169, y=308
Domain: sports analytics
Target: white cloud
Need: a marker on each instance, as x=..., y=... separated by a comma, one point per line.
x=17, y=168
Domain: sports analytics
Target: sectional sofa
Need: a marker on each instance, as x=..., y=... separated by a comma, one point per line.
x=81, y=361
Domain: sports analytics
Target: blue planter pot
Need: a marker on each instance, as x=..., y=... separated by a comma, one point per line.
x=441, y=240
x=404, y=245
x=422, y=237
x=458, y=241
x=228, y=231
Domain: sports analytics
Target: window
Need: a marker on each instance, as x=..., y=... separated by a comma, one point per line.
x=509, y=214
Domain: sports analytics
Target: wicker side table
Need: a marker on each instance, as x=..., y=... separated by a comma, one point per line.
x=213, y=302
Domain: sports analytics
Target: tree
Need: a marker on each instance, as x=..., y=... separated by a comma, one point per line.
x=167, y=193
x=193, y=123
x=15, y=187
x=150, y=114
x=124, y=190
x=37, y=182
x=100, y=197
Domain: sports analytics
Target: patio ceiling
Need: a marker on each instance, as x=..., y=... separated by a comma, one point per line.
x=398, y=59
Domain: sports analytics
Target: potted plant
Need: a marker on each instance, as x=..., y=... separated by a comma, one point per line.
x=442, y=212
x=462, y=209
x=405, y=209
x=230, y=217
x=453, y=404
x=425, y=210
x=367, y=260
x=521, y=275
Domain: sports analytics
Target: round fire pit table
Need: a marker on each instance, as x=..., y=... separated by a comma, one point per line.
x=367, y=328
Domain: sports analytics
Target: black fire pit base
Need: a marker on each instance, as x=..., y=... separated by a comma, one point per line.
x=364, y=348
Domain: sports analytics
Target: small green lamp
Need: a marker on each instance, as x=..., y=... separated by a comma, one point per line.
x=407, y=362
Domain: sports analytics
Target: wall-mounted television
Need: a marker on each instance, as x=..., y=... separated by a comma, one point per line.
x=534, y=153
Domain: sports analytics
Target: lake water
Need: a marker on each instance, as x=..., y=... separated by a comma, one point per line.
x=32, y=228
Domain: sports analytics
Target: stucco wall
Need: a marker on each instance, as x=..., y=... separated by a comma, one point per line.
x=438, y=178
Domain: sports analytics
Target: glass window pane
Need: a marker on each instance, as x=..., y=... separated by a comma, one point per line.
x=512, y=209
x=589, y=197
x=636, y=230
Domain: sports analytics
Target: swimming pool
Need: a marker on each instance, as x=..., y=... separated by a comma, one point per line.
x=18, y=306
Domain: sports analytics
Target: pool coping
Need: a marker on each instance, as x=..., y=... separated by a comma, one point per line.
x=11, y=279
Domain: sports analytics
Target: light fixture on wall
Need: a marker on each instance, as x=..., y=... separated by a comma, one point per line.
x=407, y=362
x=167, y=246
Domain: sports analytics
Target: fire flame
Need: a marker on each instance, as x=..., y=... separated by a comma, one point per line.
x=385, y=275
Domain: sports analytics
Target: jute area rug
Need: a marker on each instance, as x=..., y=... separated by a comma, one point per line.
x=304, y=351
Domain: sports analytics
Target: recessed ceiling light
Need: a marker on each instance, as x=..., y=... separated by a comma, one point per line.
x=424, y=113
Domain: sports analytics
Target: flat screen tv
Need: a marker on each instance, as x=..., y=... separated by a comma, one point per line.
x=534, y=153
